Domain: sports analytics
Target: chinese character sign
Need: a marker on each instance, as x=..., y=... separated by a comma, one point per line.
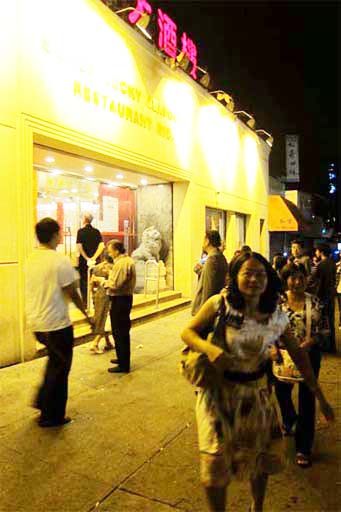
x=142, y=7
x=292, y=158
x=167, y=34
x=190, y=49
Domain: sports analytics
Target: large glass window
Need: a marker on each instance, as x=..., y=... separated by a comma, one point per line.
x=128, y=206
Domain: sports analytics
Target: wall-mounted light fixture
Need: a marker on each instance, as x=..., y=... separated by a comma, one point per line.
x=251, y=122
x=268, y=137
x=182, y=61
x=205, y=79
x=227, y=98
x=142, y=23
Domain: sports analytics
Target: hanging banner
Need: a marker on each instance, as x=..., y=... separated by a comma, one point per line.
x=292, y=159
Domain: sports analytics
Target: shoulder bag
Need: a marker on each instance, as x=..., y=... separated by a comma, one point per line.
x=195, y=366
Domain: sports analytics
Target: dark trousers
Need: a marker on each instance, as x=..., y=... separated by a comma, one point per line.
x=305, y=427
x=52, y=395
x=83, y=274
x=120, y=326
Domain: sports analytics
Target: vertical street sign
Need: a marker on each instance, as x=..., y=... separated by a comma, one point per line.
x=292, y=159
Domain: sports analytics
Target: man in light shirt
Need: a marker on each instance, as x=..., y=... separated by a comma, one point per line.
x=120, y=286
x=50, y=283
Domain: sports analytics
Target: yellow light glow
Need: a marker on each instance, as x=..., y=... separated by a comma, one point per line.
x=180, y=100
x=219, y=142
x=87, y=51
x=251, y=160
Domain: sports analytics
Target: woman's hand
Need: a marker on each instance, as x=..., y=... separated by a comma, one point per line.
x=217, y=357
x=274, y=354
x=307, y=343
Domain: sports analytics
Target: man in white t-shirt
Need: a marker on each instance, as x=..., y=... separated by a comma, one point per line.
x=50, y=285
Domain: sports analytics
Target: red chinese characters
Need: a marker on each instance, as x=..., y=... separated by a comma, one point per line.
x=142, y=6
x=167, y=34
x=190, y=49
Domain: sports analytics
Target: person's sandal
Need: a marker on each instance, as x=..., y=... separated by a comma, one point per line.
x=303, y=461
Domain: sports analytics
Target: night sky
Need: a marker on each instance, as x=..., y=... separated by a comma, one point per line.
x=279, y=60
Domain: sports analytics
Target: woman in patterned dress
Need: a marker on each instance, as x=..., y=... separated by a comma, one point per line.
x=296, y=303
x=236, y=416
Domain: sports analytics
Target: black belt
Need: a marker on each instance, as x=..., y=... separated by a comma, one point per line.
x=245, y=377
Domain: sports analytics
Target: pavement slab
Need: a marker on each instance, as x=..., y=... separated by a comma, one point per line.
x=132, y=445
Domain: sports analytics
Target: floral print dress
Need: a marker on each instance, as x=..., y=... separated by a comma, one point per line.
x=237, y=421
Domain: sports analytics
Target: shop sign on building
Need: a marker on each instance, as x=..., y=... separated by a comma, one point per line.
x=168, y=34
x=292, y=159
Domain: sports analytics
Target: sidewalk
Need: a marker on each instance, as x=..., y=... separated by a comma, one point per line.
x=132, y=444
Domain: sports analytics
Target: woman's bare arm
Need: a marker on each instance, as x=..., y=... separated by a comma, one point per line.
x=302, y=361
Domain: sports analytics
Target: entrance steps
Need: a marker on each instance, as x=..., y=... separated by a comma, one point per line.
x=144, y=309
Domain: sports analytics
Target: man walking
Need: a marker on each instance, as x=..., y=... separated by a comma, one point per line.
x=90, y=246
x=120, y=286
x=213, y=275
x=322, y=283
x=297, y=250
x=50, y=282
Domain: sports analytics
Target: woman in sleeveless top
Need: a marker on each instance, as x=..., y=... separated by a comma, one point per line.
x=237, y=424
x=298, y=305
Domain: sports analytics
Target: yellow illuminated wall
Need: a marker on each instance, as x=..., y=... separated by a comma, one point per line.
x=74, y=76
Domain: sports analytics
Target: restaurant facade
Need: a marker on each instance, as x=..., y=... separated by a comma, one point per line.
x=93, y=118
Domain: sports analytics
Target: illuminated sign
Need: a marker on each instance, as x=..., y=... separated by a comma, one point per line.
x=167, y=39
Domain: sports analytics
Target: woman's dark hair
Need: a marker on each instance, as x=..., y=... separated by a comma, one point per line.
x=269, y=299
x=116, y=244
x=292, y=270
x=45, y=230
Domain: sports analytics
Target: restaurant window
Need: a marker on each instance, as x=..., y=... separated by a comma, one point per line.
x=125, y=205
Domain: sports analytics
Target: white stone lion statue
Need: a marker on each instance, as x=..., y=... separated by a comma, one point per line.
x=150, y=246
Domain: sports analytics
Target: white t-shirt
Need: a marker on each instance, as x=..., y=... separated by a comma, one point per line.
x=46, y=273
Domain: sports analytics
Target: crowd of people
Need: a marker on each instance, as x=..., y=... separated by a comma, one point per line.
x=245, y=313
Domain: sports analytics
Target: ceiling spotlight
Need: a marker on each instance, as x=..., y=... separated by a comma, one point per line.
x=144, y=181
x=268, y=137
x=50, y=159
x=119, y=176
x=88, y=168
x=251, y=122
x=140, y=22
x=223, y=96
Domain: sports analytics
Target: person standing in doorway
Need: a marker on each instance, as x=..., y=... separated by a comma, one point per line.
x=213, y=275
x=50, y=281
x=120, y=286
x=322, y=283
x=90, y=246
x=297, y=250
